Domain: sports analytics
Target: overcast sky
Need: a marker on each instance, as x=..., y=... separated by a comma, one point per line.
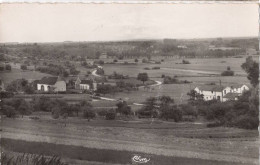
x=103, y=22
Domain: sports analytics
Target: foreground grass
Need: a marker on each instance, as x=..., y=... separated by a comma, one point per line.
x=30, y=159
x=98, y=155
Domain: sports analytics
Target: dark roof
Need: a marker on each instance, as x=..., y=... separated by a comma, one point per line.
x=231, y=95
x=236, y=86
x=216, y=88
x=86, y=82
x=48, y=80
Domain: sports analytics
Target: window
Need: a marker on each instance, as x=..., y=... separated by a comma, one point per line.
x=218, y=97
x=211, y=91
x=49, y=88
x=42, y=88
x=225, y=91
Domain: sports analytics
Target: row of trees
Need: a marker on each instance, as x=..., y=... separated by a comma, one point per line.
x=163, y=107
x=53, y=70
x=5, y=67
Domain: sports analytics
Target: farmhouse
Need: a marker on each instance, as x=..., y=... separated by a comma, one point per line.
x=221, y=93
x=89, y=84
x=103, y=56
x=47, y=84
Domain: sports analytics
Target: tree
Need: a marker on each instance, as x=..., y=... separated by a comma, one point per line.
x=150, y=108
x=73, y=71
x=228, y=68
x=24, y=67
x=111, y=114
x=194, y=95
x=123, y=108
x=252, y=69
x=88, y=112
x=142, y=77
x=9, y=111
x=24, y=108
x=8, y=67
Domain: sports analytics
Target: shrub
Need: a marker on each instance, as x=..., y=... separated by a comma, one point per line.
x=111, y=114
x=9, y=111
x=185, y=62
x=115, y=60
x=102, y=113
x=156, y=67
x=23, y=67
x=227, y=73
x=89, y=114
x=8, y=67
x=247, y=122
x=5, y=94
x=146, y=68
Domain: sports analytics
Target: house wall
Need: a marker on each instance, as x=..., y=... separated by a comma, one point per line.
x=60, y=86
x=84, y=86
x=45, y=87
x=241, y=89
x=209, y=95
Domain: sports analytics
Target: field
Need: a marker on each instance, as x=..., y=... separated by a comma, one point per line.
x=116, y=142
x=17, y=73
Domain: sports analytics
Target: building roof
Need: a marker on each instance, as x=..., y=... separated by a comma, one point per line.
x=231, y=95
x=237, y=85
x=86, y=82
x=216, y=88
x=48, y=80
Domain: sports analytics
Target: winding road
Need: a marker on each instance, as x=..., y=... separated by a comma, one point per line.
x=94, y=73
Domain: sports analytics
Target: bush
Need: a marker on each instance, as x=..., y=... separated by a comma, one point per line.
x=9, y=111
x=23, y=67
x=247, y=122
x=8, y=67
x=102, y=113
x=111, y=114
x=89, y=114
x=146, y=68
x=115, y=60
x=185, y=62
x=5, y=94
x=156, y=67
x=227, y=73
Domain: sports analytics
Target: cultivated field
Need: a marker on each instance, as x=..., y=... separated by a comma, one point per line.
x=116, y=142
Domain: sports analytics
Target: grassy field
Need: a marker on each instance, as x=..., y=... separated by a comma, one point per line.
x=8, y=77
x=99, y=155
x=170, y=68
x=118, y=141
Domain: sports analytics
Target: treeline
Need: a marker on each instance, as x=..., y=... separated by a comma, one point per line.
x=80, y=51
x=59, y=108
x=54, y=70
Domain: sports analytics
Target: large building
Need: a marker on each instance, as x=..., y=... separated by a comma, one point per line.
x=89, y=84
x=222, y=93
x=48, y=84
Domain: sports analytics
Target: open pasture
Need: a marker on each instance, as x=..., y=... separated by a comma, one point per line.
x=8, y=77
x=201, y=66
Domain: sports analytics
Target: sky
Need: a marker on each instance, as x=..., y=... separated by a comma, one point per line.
x=106, y=22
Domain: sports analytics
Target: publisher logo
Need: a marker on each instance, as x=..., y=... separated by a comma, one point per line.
x=139, y=159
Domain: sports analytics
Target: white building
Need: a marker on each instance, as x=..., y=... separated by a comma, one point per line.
x=48, y=84
x=221, y=93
